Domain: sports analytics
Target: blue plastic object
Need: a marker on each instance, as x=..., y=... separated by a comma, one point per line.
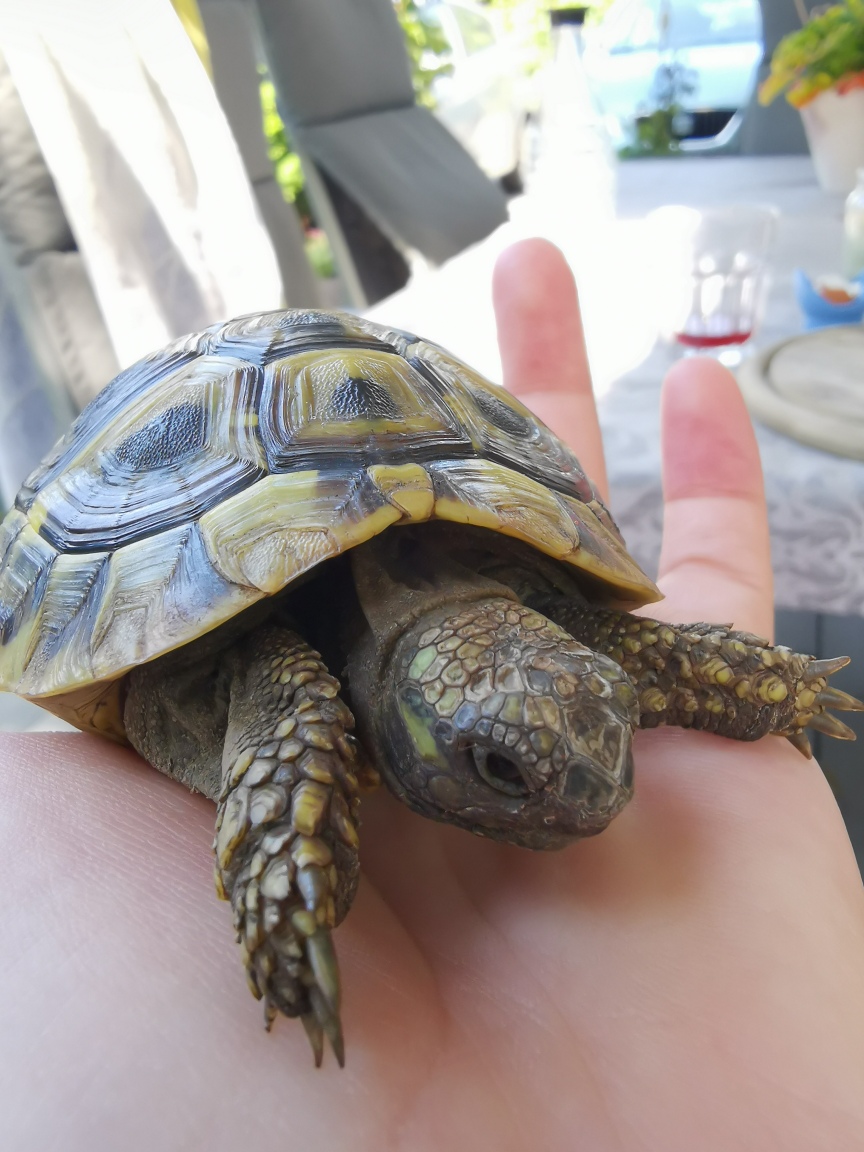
x=821, y=313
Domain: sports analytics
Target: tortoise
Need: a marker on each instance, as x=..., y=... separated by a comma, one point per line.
x=203, y=568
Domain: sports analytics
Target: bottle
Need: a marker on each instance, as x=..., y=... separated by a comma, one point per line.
x=853, y=230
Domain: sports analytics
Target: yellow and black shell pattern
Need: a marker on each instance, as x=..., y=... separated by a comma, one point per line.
x=218, y=470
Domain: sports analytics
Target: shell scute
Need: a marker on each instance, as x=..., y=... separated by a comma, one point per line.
x=483, y=493
x=24, y=573
x=407, y=486
x=10, y=530
x=502, y=428
x=158, y=592
x=140, y=378
x=364, y=403
x=173, y=452
x=267, y=336
x=61, y=650
x=268, y=537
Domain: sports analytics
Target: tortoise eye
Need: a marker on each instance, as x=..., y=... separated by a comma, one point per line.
x=171, y=436
x=499, y=772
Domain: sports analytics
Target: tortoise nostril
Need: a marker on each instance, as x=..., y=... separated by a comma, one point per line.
x=500, y=772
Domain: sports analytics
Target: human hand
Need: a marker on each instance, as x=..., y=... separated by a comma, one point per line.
x=691, y=979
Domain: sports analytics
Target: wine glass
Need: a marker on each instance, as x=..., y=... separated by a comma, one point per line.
x=712, y=268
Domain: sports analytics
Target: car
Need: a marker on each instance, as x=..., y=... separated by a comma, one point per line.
x=483, y=94
x=703, y=55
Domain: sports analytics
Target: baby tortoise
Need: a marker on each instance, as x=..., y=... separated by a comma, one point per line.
x=202, y=568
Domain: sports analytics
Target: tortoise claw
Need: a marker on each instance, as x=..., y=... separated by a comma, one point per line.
x=323, y=996
x=831, y=726
x=322, y=957
x=328, y=1019
x=822, y=696
x=833, y=698
x=819, y=668
x=798, y=739
x=316, y=1036
x=270, y=1013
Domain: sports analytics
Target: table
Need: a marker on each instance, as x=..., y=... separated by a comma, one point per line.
x=815, y=499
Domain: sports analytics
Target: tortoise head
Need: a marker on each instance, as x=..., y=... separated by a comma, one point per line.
x=494, y=719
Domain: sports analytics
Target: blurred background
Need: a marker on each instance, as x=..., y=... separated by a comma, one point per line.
x=166, y=165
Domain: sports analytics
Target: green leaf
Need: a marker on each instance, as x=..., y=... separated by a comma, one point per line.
x=827, y=49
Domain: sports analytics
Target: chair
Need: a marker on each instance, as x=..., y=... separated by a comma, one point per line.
x=344, y=87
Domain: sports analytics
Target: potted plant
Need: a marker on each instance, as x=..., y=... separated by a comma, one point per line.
x=821, y=70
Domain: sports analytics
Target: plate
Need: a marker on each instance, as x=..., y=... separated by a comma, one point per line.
x=811, y=388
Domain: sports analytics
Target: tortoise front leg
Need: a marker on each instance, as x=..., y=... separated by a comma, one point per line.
x=710, y=677
x=286, y=838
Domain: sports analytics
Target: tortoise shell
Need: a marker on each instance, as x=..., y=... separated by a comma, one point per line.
x=215, y=472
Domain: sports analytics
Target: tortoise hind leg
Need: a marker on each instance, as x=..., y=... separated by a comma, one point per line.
x=286, y=840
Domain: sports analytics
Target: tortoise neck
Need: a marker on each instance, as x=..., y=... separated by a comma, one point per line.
x=400, y=578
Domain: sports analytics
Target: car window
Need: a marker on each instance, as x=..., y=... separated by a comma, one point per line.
x=477, y=31
x=630, y=26
x=693, y=22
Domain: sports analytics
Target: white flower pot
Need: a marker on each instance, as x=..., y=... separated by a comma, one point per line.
x=835, y=132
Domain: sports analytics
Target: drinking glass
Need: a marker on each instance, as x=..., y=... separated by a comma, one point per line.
x=712, y=272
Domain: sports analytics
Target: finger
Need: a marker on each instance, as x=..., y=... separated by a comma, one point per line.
x=543, y=347
x=715, y=561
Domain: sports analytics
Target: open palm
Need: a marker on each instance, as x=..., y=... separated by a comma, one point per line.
x=692, y=979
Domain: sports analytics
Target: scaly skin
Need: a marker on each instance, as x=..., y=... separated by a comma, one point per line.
x=494, y=719
x=286, y=838
x=710, y=677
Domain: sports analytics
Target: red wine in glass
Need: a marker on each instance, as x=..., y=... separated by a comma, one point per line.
x=689, y=340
